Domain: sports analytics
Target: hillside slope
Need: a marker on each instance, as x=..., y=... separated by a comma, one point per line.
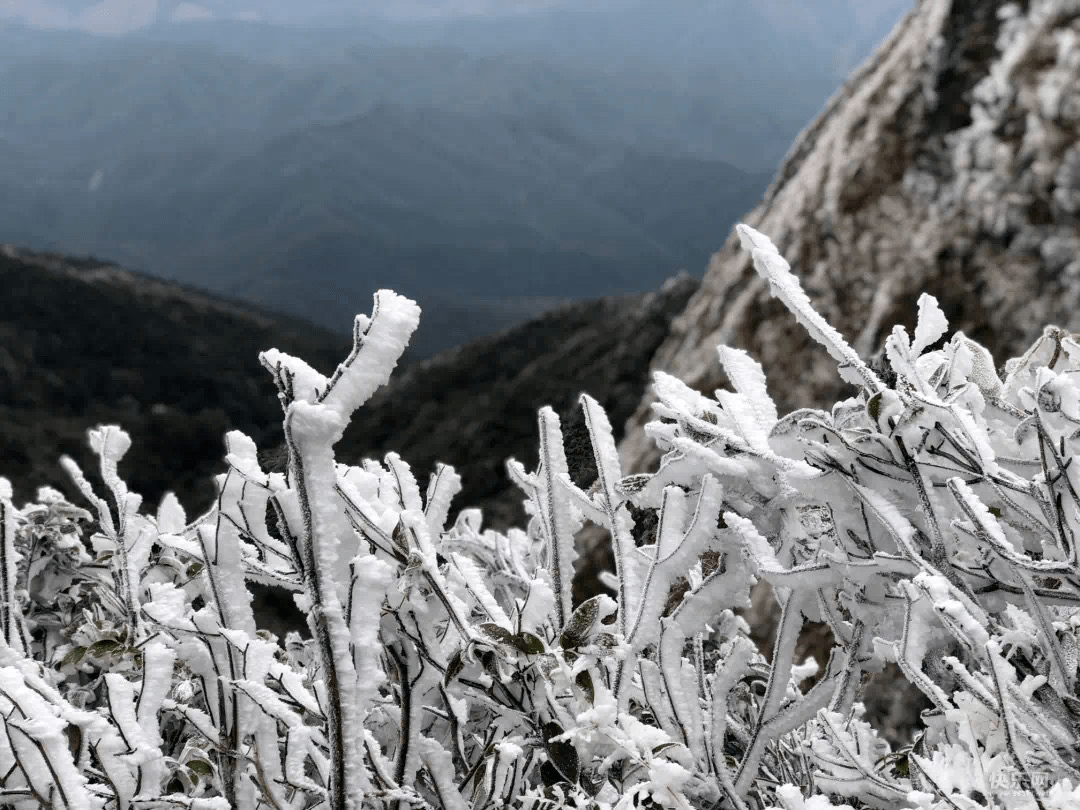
x=83, y=343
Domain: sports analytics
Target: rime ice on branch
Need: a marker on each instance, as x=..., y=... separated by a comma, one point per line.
x=931, y=525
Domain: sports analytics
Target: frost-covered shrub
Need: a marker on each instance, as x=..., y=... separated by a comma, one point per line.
x=931, y=523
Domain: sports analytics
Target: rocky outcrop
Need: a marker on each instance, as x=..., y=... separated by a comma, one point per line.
x=949, y=163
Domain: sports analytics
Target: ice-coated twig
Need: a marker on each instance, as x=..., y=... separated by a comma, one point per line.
x=12, y=626
x=772, y=267
x=556, y=518
x=311, y=430
x=788, y=627
x=378, y=343
x=609, y=472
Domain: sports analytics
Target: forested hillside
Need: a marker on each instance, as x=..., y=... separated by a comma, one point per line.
x=84, y=343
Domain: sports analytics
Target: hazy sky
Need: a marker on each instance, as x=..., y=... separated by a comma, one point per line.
x=123, y=16
x=106, y=16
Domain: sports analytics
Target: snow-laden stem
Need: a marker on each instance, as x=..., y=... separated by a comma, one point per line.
x=557, y=520
x=314, y=421
x=12, y=628
x=787, y=632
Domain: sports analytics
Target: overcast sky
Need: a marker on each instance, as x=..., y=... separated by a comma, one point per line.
x=106, y=16
x=123, y=16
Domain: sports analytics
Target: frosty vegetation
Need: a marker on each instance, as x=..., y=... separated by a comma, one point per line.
x=931, y=521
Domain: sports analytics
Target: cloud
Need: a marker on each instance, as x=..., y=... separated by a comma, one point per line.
x=118, y=16
x=37, y=14
x=105, y=17
x=123, y=16
x=186, y=12
x=450, y=9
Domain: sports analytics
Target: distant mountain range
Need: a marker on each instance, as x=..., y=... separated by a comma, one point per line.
x=484, y=166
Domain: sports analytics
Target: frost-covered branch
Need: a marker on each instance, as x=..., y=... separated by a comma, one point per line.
x=931, y=526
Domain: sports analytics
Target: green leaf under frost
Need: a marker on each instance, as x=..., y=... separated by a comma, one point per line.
x=562, y=754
